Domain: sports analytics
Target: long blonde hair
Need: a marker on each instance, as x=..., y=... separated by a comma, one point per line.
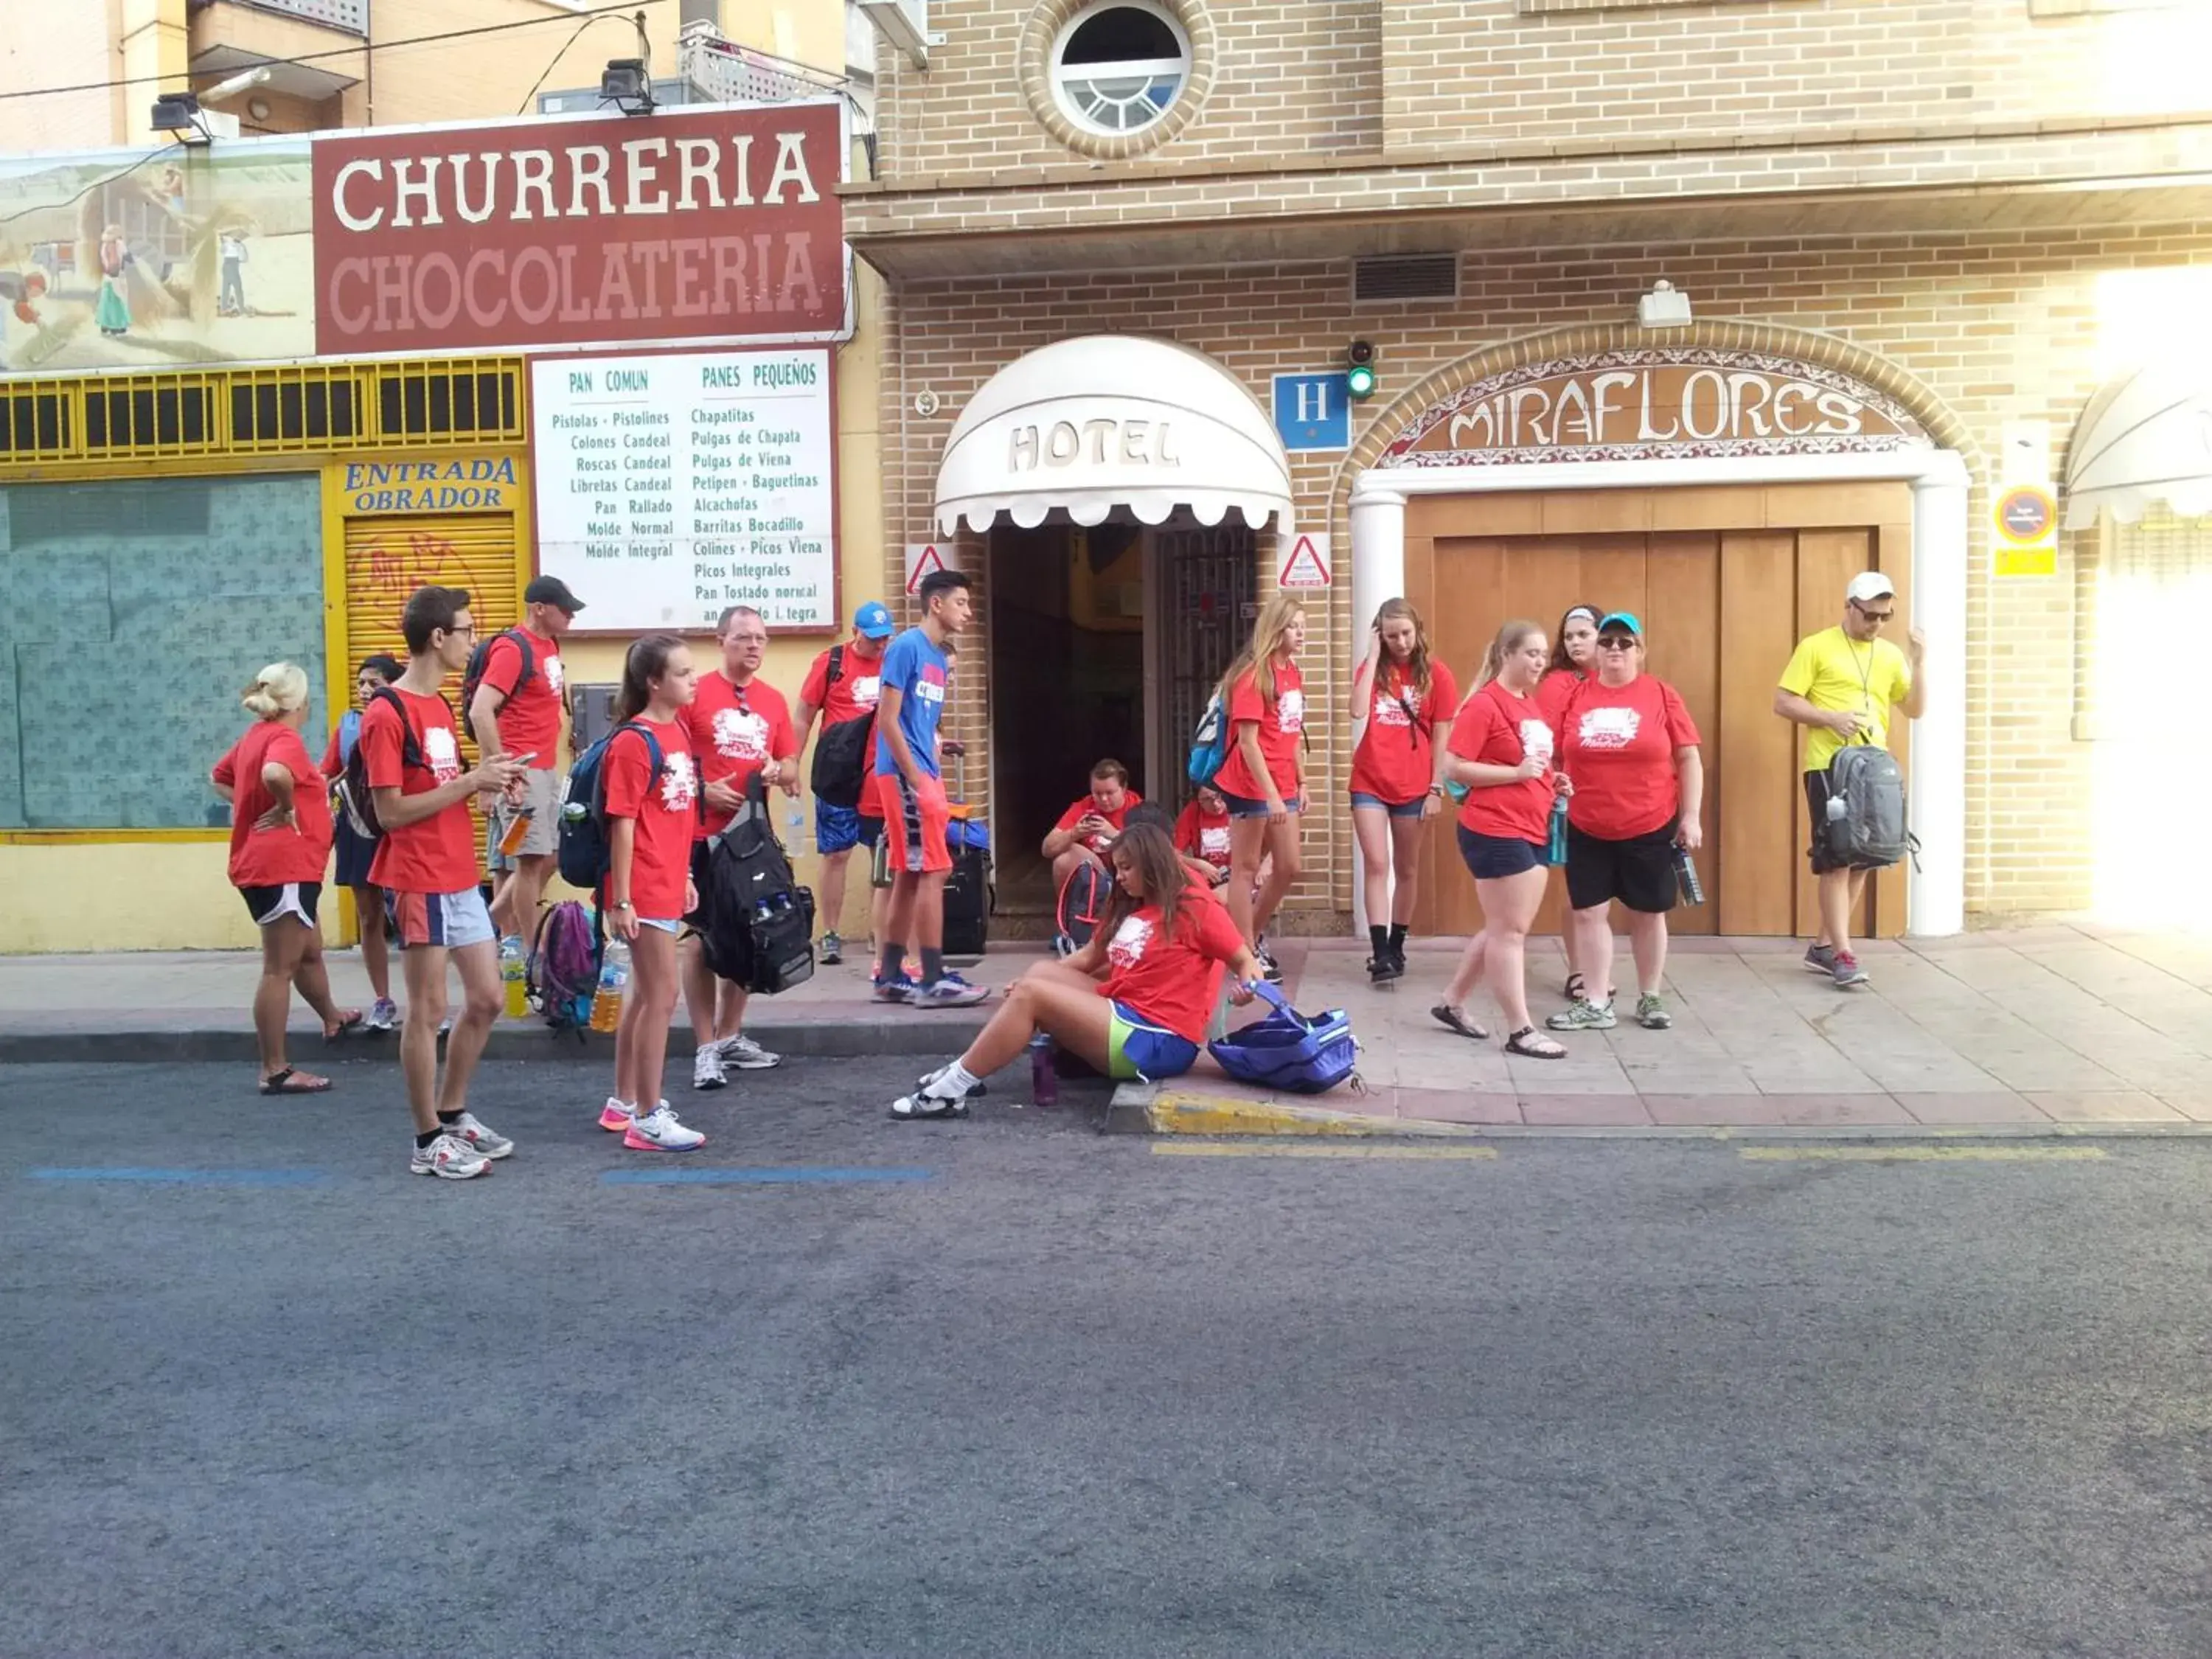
x=277, y=689
x=1509, y=639
x=1258, y=658
x=1416, y=663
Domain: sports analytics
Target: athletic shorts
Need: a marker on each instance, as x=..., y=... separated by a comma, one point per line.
x=1494, y=857
x=1816, y=799
x=443, y=922
x=841, y=829
x=1139, y=1050
x=662, y=924
x=1396, y=809
x=1243, y=806
x=294, y=898
x=914, y=830
x=1639, y=871
x=542, y=789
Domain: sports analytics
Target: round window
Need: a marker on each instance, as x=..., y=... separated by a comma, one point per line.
x=1118, y=69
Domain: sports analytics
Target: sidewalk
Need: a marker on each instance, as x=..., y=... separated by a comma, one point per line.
x=2024, y=1030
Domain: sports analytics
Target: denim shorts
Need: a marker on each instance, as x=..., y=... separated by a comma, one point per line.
x=1396, y=809
x=1137, y=1047
x=1243, y=806
x=1494, y=857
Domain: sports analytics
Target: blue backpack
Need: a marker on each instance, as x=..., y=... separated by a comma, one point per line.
x=1209, y=744
x=1289, y=1052
x=587, y=853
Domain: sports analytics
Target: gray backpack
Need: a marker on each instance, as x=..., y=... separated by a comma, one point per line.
x=1866, y=809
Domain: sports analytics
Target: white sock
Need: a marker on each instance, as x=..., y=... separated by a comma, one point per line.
x=953, y=1083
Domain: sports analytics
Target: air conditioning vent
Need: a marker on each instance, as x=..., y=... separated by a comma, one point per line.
x=1409, y=276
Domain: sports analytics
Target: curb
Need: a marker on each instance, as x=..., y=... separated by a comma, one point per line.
x=1190, y=1112
x=812, y=1040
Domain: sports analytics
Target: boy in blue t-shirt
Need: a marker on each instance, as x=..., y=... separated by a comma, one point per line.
x=916, y=812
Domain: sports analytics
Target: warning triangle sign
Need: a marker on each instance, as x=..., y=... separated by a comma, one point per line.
x=920, y=560
x=1307, y=563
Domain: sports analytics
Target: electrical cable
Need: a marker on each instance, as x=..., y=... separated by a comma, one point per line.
x=99, y=183
x=523, y=108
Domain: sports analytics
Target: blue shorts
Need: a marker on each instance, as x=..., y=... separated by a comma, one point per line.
x=841, y=829
x=1396, y=809
x=1243, y=806
x=1137, y=1049
x=1494, y=857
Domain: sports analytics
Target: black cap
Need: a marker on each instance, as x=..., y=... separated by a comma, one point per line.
x=551, y=590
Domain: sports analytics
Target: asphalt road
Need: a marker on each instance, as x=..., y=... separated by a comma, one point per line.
x=1005, y=1388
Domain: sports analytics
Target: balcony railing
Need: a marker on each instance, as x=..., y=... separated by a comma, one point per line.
x=350, y=16
x=728, y=73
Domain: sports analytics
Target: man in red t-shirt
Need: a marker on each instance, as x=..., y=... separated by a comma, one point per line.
x=1085, y=832
x=740, y=725
x=841, y=687
x=427, y=861
x=518, y=709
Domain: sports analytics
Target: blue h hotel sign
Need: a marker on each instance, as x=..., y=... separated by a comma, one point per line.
x=1313, y=412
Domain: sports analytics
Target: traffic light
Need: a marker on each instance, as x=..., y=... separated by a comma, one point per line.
x=1360, y=375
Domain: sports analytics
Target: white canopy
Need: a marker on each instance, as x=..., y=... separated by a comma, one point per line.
x=1108, y=421
x=2145, y=437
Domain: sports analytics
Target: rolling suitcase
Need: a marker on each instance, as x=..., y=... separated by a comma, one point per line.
x=969, y=895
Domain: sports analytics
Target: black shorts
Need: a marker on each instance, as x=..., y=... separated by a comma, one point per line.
x=297, y=898
x=1494, y=857
x=1639, y=871
x=696, y=921
x=1816, y=802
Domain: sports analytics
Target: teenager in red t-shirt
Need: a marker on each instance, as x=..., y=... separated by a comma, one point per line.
x=651, y=816
x=740, y=725
x=1574, y=663
x=1405, y=700
x=846, y=815
x=1501, y=748
x=356, y=853
x=519, y=709
x=1084, y=833
x=1265, y=698
x=427, y=862
x=1632, y=749
x=1133, y=1002
x=280, y=844
x=1201, y=832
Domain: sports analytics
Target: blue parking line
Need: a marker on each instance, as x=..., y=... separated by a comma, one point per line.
x=771, y=1176
x=190, y=1178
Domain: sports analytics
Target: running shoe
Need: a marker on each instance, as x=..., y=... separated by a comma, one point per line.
x=1269, y=967
x=1651, y=1013
x=1381, y=970
x=707, y=1068
x=658, y=1130
x=975, y=1093
x=747, y=1056
x=614, y=1116
x=901, y=989
x=1848, y=973
x=951, y=991
x=450, y=1158
x=1583, y=1015
x=481, y=1139
x=384, y=1016
x=1820, y=958
x=833, y=948
x=920, y=1107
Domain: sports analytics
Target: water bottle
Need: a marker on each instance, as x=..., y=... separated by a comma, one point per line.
x=614, y=979
x=1044, y=1081
x=783, y=904
x=514, y=976
x=1555, y=850
x=762, y=910
x=1686, y=872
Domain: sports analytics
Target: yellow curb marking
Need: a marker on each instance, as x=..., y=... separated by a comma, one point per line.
x=1210, y=1149
x=1920, y=1154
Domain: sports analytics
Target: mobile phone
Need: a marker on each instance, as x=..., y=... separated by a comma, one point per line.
x=524, y=758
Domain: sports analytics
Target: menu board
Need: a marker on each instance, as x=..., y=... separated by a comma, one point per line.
x=671, y=486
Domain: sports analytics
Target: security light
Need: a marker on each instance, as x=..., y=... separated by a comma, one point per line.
x=627, y=86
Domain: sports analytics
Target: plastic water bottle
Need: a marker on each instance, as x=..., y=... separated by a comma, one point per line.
x=614, y=979
x=514, y=976
x=1555, y=851
x=1685, y=869
x=1044, y=1081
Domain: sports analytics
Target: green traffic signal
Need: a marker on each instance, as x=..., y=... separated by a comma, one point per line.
x=1359, y=380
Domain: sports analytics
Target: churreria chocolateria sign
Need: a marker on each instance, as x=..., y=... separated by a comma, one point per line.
x=716, y=223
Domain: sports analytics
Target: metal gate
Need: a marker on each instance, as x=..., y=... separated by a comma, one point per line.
x=1209, y=577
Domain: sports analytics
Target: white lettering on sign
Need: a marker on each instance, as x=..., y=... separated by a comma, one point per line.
x=1619, y=406
x=1100, y=441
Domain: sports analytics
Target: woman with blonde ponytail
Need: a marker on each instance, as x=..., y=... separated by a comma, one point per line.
x=1263, y=697
x=280, y=844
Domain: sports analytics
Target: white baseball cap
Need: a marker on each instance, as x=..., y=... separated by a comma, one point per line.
x=1870, y=585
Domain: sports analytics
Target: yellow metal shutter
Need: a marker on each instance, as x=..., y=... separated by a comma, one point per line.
x=387, y=559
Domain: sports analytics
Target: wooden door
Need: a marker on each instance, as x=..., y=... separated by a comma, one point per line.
x=1723, y=609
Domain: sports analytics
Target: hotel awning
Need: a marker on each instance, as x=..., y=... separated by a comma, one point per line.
x=2145, y=438
x=1110, y=420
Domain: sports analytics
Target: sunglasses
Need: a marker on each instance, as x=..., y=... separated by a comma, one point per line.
x=1874, y=616
x=1618, y=641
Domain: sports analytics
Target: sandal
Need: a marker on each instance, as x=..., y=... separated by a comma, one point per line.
x=1530, y=1044
x=1577, y=986
x=292, y=1081
x=1444, y=1014
x=349, y=1021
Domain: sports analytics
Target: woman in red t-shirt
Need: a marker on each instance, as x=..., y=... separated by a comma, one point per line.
x=1264, y=697
x=280, y=845
x=1134, y=1001
x=651, y=812
x=1574, y=662
x=1501, y=748
x=1632, y=749
x=1405, y=699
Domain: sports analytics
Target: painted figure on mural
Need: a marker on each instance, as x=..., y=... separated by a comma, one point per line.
x=112, y=312
x=231, y=243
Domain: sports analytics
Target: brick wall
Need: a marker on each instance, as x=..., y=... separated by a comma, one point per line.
x=1998, y=327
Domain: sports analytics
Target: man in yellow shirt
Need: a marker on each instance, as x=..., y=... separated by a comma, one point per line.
x=1840, y=685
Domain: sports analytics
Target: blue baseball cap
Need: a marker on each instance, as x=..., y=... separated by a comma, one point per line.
x=1621, y=619
x=872, y=620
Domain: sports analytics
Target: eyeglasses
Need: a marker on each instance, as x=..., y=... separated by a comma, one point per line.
x=1618, y=641
x=1873, y=616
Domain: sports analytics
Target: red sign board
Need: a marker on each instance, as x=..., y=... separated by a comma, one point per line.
x=718, y=224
